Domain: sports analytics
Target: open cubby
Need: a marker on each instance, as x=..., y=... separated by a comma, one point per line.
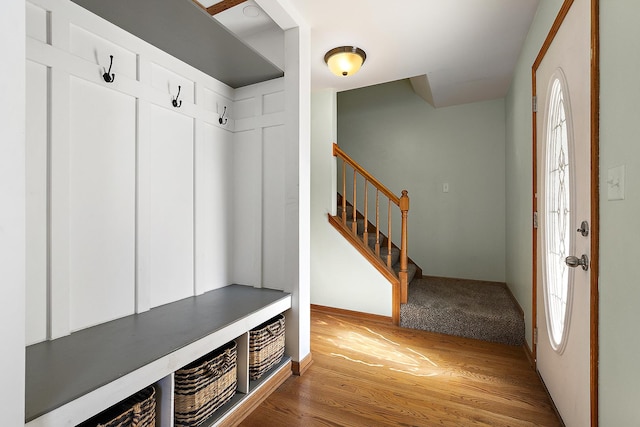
x=226, y=409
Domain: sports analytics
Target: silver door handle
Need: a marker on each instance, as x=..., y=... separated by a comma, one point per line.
x=574, y=261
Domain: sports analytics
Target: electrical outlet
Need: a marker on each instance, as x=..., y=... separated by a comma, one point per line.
x=445, y=187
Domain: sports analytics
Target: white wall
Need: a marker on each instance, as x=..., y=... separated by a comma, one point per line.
x=341, y=276
x=619, y=248
x=407, y=144
x=12, y=213
x=297, y=236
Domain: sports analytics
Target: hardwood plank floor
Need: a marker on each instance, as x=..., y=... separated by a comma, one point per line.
x=367, y=373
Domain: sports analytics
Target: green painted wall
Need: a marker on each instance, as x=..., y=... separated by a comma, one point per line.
x=407, y=144
x=519, y=163
x=620, y=251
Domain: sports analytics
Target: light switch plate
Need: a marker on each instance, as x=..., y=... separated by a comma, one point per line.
x=615, y=183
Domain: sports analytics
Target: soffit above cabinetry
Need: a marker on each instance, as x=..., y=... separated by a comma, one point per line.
x=188, y=32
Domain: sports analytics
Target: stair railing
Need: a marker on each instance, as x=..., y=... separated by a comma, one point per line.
x=402, y=204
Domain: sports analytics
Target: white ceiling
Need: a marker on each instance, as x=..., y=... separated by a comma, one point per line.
x=467, y=49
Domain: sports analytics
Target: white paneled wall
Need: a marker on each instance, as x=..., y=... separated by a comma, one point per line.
x=258, y=212
x=36, y=202
x=97, y=49
x=274, y=150
x=170, y=208
x=274, y=200
x=133, y=202
x=246, y=262
x=213, y=208
x=101, y=194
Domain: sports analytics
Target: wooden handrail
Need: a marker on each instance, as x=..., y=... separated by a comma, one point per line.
x=337, y=152
x=400, y=280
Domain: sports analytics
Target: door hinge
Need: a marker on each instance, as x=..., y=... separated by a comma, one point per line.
x=535, y=336
x=535, y=220
x=534, y=104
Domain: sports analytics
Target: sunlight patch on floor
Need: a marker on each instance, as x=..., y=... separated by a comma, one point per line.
x=359, y=340
x=423, y=357
x=374, y=365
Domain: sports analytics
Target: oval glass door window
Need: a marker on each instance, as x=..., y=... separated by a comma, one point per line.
x=558, y=244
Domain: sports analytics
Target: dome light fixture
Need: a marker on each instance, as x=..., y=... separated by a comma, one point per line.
x=345, y=60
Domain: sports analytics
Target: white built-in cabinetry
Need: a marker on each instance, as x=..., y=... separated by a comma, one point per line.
x=134, y=202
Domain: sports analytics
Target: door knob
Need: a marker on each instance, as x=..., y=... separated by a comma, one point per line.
x=574, y=261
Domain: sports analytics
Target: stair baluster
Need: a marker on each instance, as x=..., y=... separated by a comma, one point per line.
x=365, y=234
x=344, y=192
x=389, y=235
x=354, y=224
x=377, y=222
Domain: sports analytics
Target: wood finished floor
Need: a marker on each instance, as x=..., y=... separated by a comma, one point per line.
x=372, y=374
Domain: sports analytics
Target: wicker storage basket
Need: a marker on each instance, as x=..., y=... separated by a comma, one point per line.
x=203, y=386
x=266, y=346
x=138, y=410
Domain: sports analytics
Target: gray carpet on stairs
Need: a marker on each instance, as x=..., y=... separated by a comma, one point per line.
x=480, y=310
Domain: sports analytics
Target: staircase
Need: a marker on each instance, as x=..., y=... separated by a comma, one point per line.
x=387, y=256
x=367, y=213
x=364, y=231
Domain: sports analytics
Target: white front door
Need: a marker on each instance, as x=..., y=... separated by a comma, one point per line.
x=563, y=170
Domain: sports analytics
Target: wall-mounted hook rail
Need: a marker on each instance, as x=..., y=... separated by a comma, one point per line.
x=108, y=76
x=175, y=100
x=223, y=120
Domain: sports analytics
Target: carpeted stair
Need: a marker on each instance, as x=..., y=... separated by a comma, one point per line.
x=480, y=310
x=384, y=250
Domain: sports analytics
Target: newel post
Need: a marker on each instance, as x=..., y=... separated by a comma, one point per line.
x=403, y=275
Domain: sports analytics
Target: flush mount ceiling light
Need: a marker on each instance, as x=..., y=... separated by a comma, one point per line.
x=251, y=11
x=345, y=60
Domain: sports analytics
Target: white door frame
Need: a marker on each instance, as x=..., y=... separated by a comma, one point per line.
x=595, y=195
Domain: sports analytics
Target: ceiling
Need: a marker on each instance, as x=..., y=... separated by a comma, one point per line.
x=458, y=51
x=454, y=51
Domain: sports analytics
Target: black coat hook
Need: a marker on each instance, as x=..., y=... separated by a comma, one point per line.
x=223, y=120
x=175, y=100
x=107, y=76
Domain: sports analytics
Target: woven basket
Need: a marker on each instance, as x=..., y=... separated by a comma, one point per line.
x=138, y=410
x=266, y=346
x=205, y=385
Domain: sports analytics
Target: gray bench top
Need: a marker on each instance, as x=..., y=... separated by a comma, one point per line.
x=62, y=370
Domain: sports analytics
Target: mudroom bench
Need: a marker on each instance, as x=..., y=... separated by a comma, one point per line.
x=72, y=378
